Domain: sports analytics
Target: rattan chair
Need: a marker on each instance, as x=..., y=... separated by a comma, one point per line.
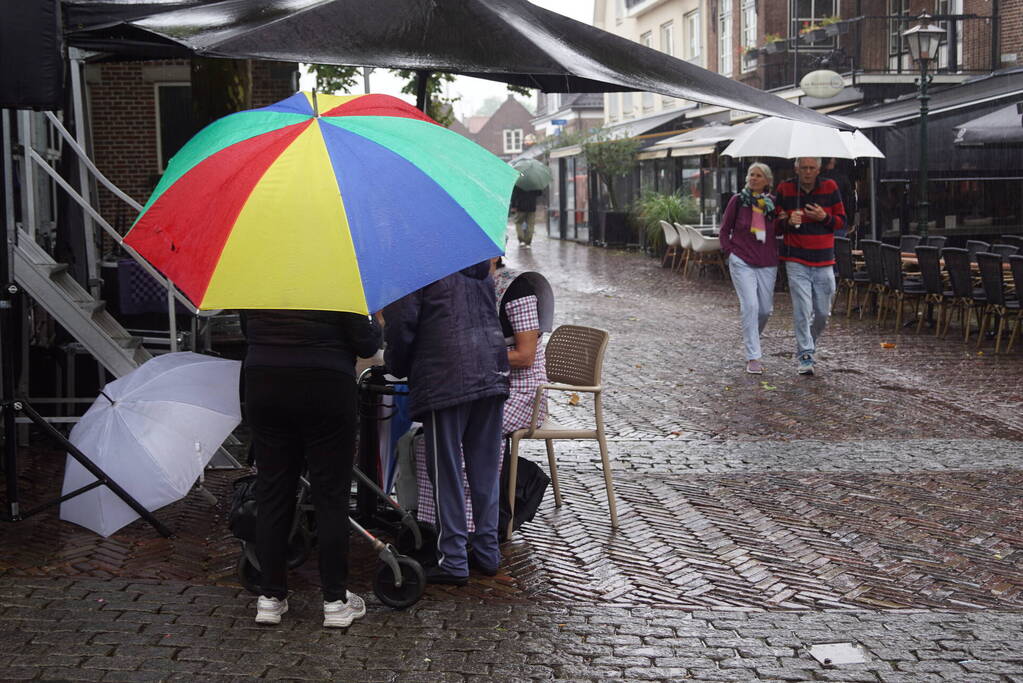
x=908, y=243
x=929, y=259
x=1004, y=250
x=875, y=276
x=1012, y=239
x=575, y=358
x=965, y=298
x=998, y=304
x=900, y=289
x=1016, y=265
x=848, y=276
x=673, y=250
x=975, y=246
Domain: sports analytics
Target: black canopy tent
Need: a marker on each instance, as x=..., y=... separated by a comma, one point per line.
x=511, y=41
x=1004, y=126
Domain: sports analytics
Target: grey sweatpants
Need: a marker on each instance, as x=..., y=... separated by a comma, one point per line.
x=476, y=427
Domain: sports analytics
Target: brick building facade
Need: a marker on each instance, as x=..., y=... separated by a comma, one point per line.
x=134, y=105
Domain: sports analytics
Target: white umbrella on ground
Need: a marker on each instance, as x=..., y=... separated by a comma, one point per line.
x=775, y=137
x=152, y=431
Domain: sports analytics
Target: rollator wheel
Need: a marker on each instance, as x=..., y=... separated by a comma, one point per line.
x=413, y=583
x=249, y=575
x=300, y=546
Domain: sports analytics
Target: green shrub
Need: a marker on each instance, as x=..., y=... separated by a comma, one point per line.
x=653, y=207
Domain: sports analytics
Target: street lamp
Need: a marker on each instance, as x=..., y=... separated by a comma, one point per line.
x=923, y=41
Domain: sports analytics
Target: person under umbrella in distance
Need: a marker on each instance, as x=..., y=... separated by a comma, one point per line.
x=814, y=213
x=523, y=203
x=748, y=242
x=301, y=402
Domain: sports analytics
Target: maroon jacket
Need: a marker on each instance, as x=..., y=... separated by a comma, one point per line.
x=737, y=238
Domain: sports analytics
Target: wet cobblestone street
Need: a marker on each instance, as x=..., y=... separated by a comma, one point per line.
x=878, y=503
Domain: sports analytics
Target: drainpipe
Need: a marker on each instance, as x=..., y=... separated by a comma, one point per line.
x=994, y=35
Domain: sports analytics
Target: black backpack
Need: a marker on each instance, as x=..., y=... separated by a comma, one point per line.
x=530, y=484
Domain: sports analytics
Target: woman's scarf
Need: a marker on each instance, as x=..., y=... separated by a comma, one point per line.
x=762, y=206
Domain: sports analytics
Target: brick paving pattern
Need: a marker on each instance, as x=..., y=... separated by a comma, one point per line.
x=878, y=503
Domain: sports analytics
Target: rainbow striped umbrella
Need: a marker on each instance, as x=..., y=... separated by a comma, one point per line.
x=347, y=210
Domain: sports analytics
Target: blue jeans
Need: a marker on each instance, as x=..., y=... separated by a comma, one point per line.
x=755, y=288
x=812, y=289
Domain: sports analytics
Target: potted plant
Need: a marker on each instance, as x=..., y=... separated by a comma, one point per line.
x=812, y=32
x=834, y=26
x=774, y=43
x=610, y=158
x=653, y=207
x=752, y=53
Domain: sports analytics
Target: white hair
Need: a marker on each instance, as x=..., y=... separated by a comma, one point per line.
x=763, y=168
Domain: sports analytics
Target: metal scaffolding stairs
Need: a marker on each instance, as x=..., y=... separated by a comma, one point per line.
x=51, y=285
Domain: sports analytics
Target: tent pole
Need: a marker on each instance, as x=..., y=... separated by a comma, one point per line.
x=421, y=79
x=874, y=227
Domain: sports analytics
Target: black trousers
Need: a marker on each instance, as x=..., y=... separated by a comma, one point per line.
x=302, y=417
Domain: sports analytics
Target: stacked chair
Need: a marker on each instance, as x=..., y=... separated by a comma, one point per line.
x=900, y=289
x=848, y=276
x=998, y=305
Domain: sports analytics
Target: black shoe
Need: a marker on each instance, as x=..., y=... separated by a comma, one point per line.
x=438, y=575
x=481, y=568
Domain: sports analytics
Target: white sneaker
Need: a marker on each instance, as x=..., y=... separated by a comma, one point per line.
x=270, y=610
x=341, y=614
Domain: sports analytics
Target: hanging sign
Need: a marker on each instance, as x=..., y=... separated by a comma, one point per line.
x=822, y=84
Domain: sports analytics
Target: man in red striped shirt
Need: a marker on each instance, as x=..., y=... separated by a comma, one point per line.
x=814, y=212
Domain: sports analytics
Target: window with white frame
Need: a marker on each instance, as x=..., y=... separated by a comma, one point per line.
x=174, y=120
x=626, y=104
x=512, y=140
x=748, y=15
x=647, y=40
x=946, y=57
x=553, y=102
x=613, y=106
x=807, y=14
x=668, y=38
x=898, y=51
x=725, y=38
x=692, y=47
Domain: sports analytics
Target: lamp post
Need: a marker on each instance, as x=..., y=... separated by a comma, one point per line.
x=923, y=41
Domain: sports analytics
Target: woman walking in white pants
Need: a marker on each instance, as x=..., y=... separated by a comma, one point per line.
x=748, y=242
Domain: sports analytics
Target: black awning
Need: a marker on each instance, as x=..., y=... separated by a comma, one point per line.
x=511, y=41
x=1003, y=126
x=984, y=91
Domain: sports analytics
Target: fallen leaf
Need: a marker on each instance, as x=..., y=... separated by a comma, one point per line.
x=639, y=365
x=573, y=400
x=767, y=386
x=887, y=345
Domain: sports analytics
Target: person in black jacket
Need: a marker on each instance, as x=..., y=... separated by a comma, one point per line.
x=301, y=404
x=447, y=340
x=523, y=202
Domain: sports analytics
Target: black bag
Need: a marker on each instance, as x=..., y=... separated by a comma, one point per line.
x=530, y=484
x=242, y=517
